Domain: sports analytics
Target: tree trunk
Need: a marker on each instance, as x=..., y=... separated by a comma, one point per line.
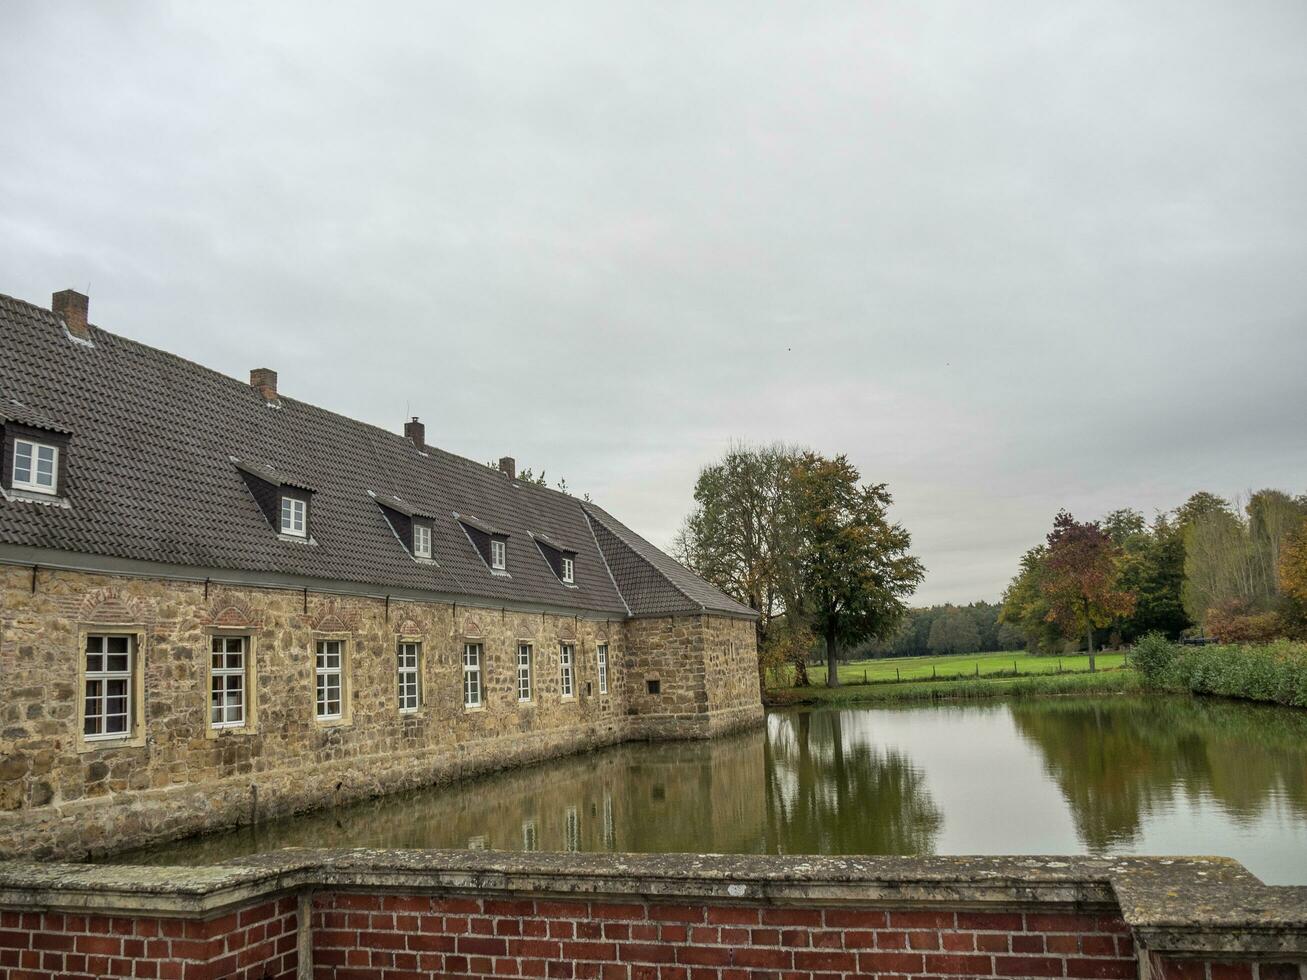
x=1090, y=631
x=832, y=666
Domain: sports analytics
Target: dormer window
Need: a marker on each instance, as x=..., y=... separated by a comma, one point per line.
x=490, y=542
x=36, y=467
x=294, y=516
x=561, y=558
x=283, y=501
x=421, y=541
x=498, y=554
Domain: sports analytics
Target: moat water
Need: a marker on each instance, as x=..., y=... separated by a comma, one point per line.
x=1056, y=776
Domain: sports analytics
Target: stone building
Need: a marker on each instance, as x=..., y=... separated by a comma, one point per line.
x=221, y=604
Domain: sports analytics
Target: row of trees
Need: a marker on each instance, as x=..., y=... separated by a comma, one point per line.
x=973, y=628
x=1235, y=571
x=800, y=538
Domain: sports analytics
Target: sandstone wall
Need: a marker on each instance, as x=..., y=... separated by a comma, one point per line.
x=62, y=795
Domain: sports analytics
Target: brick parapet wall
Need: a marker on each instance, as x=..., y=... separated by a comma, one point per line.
x=396, y=915
x=252, y=942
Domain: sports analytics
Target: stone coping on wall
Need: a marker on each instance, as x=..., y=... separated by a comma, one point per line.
x=1181, y=905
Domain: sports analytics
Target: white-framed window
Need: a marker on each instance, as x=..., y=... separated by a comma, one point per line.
x=565, y=653
x=472, y=675
x=107, y=702
x=571, y=830
x=421, y=541
x=410, y=684
x=568, y=571
x=293, y=514
x=498, y=553
x=36, y=467
x=227, y=684
x=478, y=842
x=530, y=837
x=524, y=671
x=601, y=654
x=330, y=678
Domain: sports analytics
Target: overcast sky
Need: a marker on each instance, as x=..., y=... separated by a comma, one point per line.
x=1009, y=256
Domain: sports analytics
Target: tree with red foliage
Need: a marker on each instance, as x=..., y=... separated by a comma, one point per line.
x=1080, y=584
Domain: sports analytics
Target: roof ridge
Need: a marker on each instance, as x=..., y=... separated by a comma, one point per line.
x=589, y=523
x=661, y=574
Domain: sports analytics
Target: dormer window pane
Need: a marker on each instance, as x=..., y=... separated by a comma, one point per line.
x=421, y=541
x=567, y=570
x=35, y=466
x=498, y=554
x=292, y=516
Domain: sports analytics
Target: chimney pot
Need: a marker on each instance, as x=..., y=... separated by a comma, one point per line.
x=508, y=466
x=72, y=306
x=415, y=432
x=265, y=380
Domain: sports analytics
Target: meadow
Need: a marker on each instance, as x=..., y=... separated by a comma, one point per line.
x=1011, y=663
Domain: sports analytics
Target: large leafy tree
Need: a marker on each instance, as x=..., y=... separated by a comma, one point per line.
x=854, y=570
x=1025, y=607
x=1081, y=579
x=739, y=537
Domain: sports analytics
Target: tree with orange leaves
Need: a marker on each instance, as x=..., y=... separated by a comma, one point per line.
x=1081, y=579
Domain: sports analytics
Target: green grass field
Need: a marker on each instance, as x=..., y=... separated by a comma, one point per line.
x=1102, y=683
x=962, y=665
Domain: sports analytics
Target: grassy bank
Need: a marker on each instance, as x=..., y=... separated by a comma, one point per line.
x=1271, y=672
x=1116, y=681
x=1009, y=663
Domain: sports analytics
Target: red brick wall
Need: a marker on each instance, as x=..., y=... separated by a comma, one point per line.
x=399, y=937
x=1165, y=968
x=250, y=944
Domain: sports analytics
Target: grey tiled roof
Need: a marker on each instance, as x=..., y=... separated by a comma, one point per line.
x=150, y=476
x=651, y=582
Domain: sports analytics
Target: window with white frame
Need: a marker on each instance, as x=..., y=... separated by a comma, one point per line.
x=571, y=830
x=565, y=654
x=421, y=541
x=472, y=675
x=524, y=671
x=36, y=467
x=568, y=571
x=410, y=689
x=227, y=681
x=498, y=553
x=293, y=516
x=330, y=678
x=601, y=654
x=530, y=837
x=107, y=701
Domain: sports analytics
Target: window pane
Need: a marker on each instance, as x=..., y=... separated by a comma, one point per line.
x=22, y=462
x=117, y=662
x=116, y=644
x=45, y=466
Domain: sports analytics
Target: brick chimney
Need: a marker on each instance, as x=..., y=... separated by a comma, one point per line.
x=415, y=432
x=508, y=466
x=265, y=380
x=72, y=306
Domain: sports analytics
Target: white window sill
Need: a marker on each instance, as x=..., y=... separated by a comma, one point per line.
x=296, y=538
x=19, y=496
x=474, y=707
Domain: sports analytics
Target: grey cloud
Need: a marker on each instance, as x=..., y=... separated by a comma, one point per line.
x=1009, y=257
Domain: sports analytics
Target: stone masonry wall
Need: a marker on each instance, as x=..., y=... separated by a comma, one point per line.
x=63, y=796
x=700, y=665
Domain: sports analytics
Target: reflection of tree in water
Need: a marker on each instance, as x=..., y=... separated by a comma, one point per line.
x=828, y=794
x=1118, y=760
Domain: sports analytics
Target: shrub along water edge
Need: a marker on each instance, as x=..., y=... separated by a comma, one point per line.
x=1273, y=672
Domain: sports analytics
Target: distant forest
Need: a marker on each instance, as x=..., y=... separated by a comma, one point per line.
x=1232, y=570
x=974, y=628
